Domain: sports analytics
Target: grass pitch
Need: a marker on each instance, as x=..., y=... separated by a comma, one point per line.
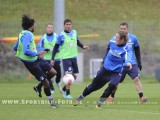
x=18, y=101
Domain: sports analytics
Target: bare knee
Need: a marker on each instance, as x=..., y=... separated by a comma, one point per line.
x=136, y=80
x=52, y=72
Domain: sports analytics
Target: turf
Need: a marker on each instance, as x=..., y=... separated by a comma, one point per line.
x=125, y=107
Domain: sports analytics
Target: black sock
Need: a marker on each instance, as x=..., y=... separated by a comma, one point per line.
x=114, y=92
x=64, y=88
x=141, y=95
x=107, y=92
x=67, y=91
x=47, y=91
x=39, y=86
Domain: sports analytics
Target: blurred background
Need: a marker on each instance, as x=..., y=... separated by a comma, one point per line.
x=98, y=18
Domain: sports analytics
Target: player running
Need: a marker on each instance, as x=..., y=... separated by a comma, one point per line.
x=135, y=61
x=25, y=48
x=46, y=43
x=68, y=41
x=111, y=69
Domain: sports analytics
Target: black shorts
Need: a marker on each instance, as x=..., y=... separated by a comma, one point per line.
x=39, y=68
x=70, y=65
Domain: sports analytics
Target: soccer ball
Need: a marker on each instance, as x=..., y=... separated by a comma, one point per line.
x=68, y=79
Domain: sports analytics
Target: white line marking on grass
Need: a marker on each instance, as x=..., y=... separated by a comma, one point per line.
x=133, y=111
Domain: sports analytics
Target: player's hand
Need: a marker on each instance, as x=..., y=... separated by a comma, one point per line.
x=129, y=65
x=86, y=47
x=140, y=67
x=52, y=62
x=41, y=54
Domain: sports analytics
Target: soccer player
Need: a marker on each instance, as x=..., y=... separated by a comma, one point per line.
x=111, y=68
x=68, y=41
x=136, y=63
x=26, y=51
x=47, y=42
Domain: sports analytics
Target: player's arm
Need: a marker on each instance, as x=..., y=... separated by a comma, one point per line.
x=15, y=46
x=107, y=50
x=137, y=53
x=55, y=50
x=128, y=57
x=138, y=57
x=59, y=42
x=26, y=40
x=81, y=45
x=41, y=44
x=41, y=49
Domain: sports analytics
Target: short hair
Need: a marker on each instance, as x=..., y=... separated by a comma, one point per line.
x=67, y=20
x=27, y=22
x=123, y=35
x=124, y=24
x=49, y=24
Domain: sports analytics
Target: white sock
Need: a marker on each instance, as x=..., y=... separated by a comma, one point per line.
x=50, y=97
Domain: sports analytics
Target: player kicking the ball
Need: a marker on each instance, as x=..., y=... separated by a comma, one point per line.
x=46, y=43
x=111, y=69
x=25, y=48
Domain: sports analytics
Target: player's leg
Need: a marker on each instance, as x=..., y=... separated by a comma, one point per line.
x=49, y=78
x=73, y=69
x=112, y=96
x=134, y=74
x=67, y=66
x=38, y=88
x=114, y=81
x=31, y=68
x=47, y=68
x=37, y=71
x=45, y=65
x=51, y=86
x=98, y=82
x=47, y=92
x=57, y=67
